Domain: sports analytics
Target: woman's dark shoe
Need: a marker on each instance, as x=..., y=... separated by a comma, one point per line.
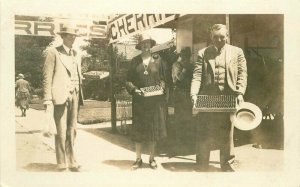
x=137, y=164
x=153, y=164
x=257, y=146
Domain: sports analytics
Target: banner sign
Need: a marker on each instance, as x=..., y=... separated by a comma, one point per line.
x=38, y=28
x=130, y=24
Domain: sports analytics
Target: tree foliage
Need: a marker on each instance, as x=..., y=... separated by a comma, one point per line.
x=97, y=56
x=29, y=54
x=29, y=57
x=98, y=59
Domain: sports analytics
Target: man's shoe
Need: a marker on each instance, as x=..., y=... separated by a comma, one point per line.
x=61, y=169
x=137, y=164
x=230, y=166
x=227, y=168
x=152, y=164
x=75, y=169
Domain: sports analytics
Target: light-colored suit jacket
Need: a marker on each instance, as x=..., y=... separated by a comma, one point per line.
x=236, y=70
x=57, y=76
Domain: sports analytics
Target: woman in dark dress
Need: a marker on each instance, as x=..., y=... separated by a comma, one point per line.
x=149, y=113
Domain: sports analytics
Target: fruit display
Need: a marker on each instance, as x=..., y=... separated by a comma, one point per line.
x=96, y=74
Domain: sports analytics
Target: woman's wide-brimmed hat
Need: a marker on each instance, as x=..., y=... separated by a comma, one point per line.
x=68, y=29
x=247, y=117
x=20, y=76
x=185, y=51
x=143, y=38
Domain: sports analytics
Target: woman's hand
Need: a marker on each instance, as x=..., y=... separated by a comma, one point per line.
x=138, y=92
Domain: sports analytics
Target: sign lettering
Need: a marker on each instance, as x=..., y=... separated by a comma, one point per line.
x=130, y=24
x=38, y=28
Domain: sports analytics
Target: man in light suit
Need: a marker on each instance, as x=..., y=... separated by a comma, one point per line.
x=62, y=88
x=220, y=70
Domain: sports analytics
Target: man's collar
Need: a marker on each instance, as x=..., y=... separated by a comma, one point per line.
x=221, y=50
x=66, y=48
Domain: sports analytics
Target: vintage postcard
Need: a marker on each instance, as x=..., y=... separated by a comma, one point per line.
x=149, y=93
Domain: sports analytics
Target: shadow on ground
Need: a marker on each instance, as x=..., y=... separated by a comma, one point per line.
x=166, y=147
x=182, y=142
x=28, y=132
x=121, y=164
x=170, y=166
x=186, y=167
x=125, y=164
x=38, y=167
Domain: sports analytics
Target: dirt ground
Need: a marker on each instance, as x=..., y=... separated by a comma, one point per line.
x=32, y=154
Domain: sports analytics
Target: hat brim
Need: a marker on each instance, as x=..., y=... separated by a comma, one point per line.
x=20, y=76
x=76, y=34
x=138, y=46
x=247, y=117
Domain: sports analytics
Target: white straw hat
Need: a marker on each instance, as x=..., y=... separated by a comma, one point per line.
x=247, y=117
x=68, y=29
x=20, y=76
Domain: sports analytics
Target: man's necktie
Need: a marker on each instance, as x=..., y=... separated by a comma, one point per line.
x=70, y=52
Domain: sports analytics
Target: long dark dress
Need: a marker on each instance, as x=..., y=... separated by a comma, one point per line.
x=149, y=113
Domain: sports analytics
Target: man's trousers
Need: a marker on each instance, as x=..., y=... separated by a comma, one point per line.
x=65, y=117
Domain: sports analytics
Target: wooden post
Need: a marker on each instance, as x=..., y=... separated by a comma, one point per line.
x=228, y=28
x=112, y=71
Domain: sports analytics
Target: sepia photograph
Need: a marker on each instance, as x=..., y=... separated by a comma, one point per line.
x=150, y=98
